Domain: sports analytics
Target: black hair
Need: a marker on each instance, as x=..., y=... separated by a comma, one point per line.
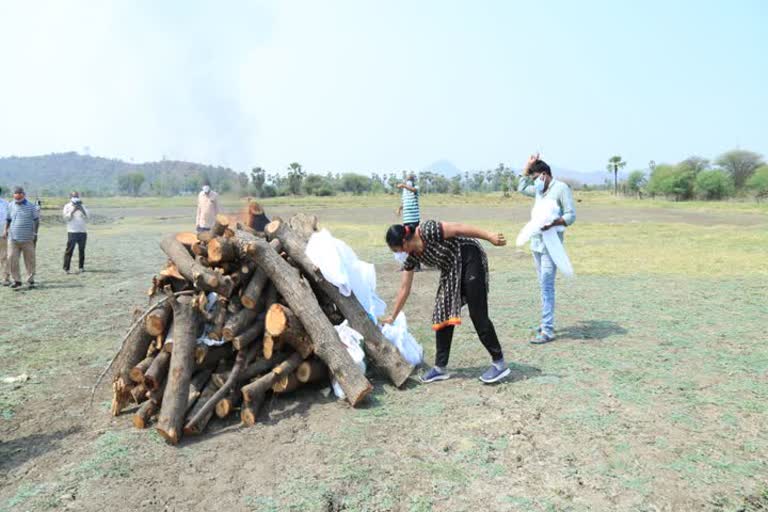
x=398, y=233
x=540, y=166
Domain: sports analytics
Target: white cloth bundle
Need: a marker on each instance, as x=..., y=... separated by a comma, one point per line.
x=544, y=212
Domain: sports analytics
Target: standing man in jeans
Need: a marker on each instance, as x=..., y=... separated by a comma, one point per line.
x=537, y=181
x=76, y=216
x=207, y=209
x=4, y=268
x=22, y=223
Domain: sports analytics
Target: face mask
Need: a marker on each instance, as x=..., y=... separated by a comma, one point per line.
x=206, y=189
x=75, y=200
x=540, y=184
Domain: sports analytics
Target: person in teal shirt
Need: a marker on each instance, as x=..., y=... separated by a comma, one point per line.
x=537, y=181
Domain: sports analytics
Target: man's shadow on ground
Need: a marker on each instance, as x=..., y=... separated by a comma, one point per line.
x=592, y=330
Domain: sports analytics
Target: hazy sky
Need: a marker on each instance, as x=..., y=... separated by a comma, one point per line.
x=387, y=85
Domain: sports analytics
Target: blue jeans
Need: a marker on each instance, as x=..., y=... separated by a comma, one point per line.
x=546, y=269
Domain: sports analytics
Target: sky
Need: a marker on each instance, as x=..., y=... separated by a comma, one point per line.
x=382, y=86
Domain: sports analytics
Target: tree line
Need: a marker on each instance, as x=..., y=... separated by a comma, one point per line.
x=734, y=173
x=296, y=181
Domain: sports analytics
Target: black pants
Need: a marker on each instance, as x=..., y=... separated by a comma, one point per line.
x=473, y=288
x=73, y=239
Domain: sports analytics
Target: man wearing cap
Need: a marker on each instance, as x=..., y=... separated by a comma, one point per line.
x=21, y=225
x=4, y=269
x=76, y=216
x=207, y=209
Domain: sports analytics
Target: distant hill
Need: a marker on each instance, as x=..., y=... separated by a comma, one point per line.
x=444, y=167
x=59, y=173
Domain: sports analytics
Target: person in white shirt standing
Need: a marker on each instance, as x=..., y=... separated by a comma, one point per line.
x=207, y=209
x=5, y=271
x=76, y=216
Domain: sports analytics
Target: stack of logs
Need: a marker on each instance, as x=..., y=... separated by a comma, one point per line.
x=274, y=312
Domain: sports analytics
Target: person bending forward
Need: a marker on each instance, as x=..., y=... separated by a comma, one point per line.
x=452, y=248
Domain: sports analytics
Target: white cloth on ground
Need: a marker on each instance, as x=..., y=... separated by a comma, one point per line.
x=544, y=212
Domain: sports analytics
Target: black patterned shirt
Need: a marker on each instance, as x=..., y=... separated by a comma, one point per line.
x=445, y=254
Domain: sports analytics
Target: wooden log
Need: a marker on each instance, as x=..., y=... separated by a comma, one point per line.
x=383, y=354
x=143, y=415
x=243, y=358
x=249, y=412
x=139, y=393
x=133, y=351
x=286, y=384
x=137, y=372
x=221, y=250
x=261, y=366
x=187, y=238
x=157, y=371
x=199, y=248
x=199, y=425
x=281, y=323
x=271, y=347
x=312, y=370
x=255, y=392
x=159, y=319
x=196, y=386
x=220, y=226
x=327, y=344
x=303, y=225
x=226, y=405
x=205, y=236
x=186, y=325
x=238, y=323
x=251, y=296
x=202, y=277
x=249, y=335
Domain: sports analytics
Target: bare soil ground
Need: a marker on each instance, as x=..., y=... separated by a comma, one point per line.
x=652, y=398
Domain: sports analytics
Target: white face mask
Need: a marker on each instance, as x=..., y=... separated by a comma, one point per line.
x=206, y=189
x=75, y=200
x=540, y=184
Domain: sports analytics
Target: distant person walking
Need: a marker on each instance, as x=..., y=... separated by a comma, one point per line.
x=409, y=202
x=537, y=181
x=22, y=223
x=4, y=268
x=76, y=216
x=207, y=209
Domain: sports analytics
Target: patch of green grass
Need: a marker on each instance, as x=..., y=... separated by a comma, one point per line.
x=112, y=459
x=23, y=494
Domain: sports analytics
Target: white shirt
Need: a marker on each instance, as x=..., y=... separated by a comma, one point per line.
x=75, y=219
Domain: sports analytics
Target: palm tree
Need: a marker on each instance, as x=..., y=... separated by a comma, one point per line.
x=614, y=164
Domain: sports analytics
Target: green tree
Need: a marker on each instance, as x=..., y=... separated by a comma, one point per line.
x=355, y=183
x=713, y=184
x=313, y=183
x=636, y=181
x=671, y=181
x=614, y=164
x=295, y=178
x=758, y=183
x=130, y=183
x=694, y=164
x=258, y=180
x=456, y=185
x=740, y=164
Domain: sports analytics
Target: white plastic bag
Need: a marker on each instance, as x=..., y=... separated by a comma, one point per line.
x=352, y=341
x=397, y=334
